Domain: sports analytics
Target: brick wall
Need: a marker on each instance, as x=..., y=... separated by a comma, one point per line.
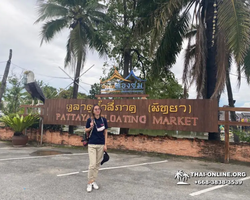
x=183, y=147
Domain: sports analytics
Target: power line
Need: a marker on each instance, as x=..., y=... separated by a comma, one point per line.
x=18, y=66
x=58, y=77
x=84, y=72
x=41, y=74
x=52, y=77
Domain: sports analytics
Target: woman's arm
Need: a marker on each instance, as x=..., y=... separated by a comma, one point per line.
x=89, y=125
x=106, y=135
x=88, y=129
x=106, y=139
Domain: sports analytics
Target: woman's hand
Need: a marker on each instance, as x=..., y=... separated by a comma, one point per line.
x=105, y=148
x=91, y=125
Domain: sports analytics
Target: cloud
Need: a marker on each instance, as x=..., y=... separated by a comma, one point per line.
x=177, y=69
x=19, y=33
x=23, y=37
x=240, y=94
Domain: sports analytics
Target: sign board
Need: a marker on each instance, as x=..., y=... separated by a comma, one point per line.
x=166, y=114
x=117, y=84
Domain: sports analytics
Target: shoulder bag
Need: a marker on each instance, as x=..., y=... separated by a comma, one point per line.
x=86, y=137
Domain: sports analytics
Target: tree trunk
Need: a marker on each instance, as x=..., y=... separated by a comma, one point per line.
x=126, y=63
x=211, y=68
x=76, y=81
x=126, y=48
x=231, y=104
x=76, y=86
x=5, y=76
x=126, y=56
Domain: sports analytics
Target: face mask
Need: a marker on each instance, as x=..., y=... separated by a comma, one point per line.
x=101, y=129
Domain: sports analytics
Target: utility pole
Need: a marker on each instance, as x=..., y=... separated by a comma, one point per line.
x=5, y=76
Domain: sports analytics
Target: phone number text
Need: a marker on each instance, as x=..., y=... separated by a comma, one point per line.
x=218, y=182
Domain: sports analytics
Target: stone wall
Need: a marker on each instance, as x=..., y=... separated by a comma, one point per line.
x=182, y=147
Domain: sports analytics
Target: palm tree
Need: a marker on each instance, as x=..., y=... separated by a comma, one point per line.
x=83, y=19
x=223, y=31
x=190, y=56
x=179, y=175
x=185, y=177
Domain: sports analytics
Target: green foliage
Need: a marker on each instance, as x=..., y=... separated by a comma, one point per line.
x=81, y=96
x=168, y=21
x=126, y=46
x=1, y=104
x=49, y=91
x=233, y=18
x=67, y=94
x=164, y=87
x=246, y=67
x=245, y=137
x=84, y=19
x=36, y=124
x=64, y=94
x=95, y=89
x=17, y=123
x=171, y=43
x=14, y=95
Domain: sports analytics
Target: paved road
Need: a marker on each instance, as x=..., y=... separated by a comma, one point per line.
x=26, y=175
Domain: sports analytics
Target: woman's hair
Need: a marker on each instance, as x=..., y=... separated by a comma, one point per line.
x=92, y=111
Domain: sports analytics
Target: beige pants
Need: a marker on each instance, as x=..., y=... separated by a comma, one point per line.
x=95, y=158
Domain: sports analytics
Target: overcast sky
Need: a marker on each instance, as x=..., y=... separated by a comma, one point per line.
x=19, y=33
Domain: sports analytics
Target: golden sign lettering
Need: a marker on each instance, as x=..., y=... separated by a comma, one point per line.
x=110, y=107
x=165, y=109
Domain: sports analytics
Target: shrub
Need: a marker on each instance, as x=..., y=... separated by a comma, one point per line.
x=19, y=123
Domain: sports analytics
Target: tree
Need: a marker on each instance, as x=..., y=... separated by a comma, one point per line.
x=164, y=87
x=223, y=29
x=190, y=55
x=95, y=89
x=127, y=49
x=67, y=94
x=14, y=95
x=49, y=91
x=1, y=104
x=83, y=18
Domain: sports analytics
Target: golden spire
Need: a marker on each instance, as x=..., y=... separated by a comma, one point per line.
x=115, y=75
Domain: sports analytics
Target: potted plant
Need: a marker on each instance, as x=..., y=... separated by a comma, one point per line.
x=18, y=124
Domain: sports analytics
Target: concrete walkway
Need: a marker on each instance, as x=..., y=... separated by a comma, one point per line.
x=46, y=173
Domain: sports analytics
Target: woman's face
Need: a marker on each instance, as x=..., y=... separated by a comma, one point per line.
x=97, y=110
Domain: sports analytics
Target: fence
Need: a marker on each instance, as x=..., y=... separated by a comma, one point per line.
x=226, y=122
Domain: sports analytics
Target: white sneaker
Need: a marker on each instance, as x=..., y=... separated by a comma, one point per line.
x=95, y=186
x=89, y=187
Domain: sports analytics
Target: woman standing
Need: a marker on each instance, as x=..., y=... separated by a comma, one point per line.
x=97, y=144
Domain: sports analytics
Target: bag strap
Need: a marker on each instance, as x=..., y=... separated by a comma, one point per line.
x=91, y=129
x=101, y=119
